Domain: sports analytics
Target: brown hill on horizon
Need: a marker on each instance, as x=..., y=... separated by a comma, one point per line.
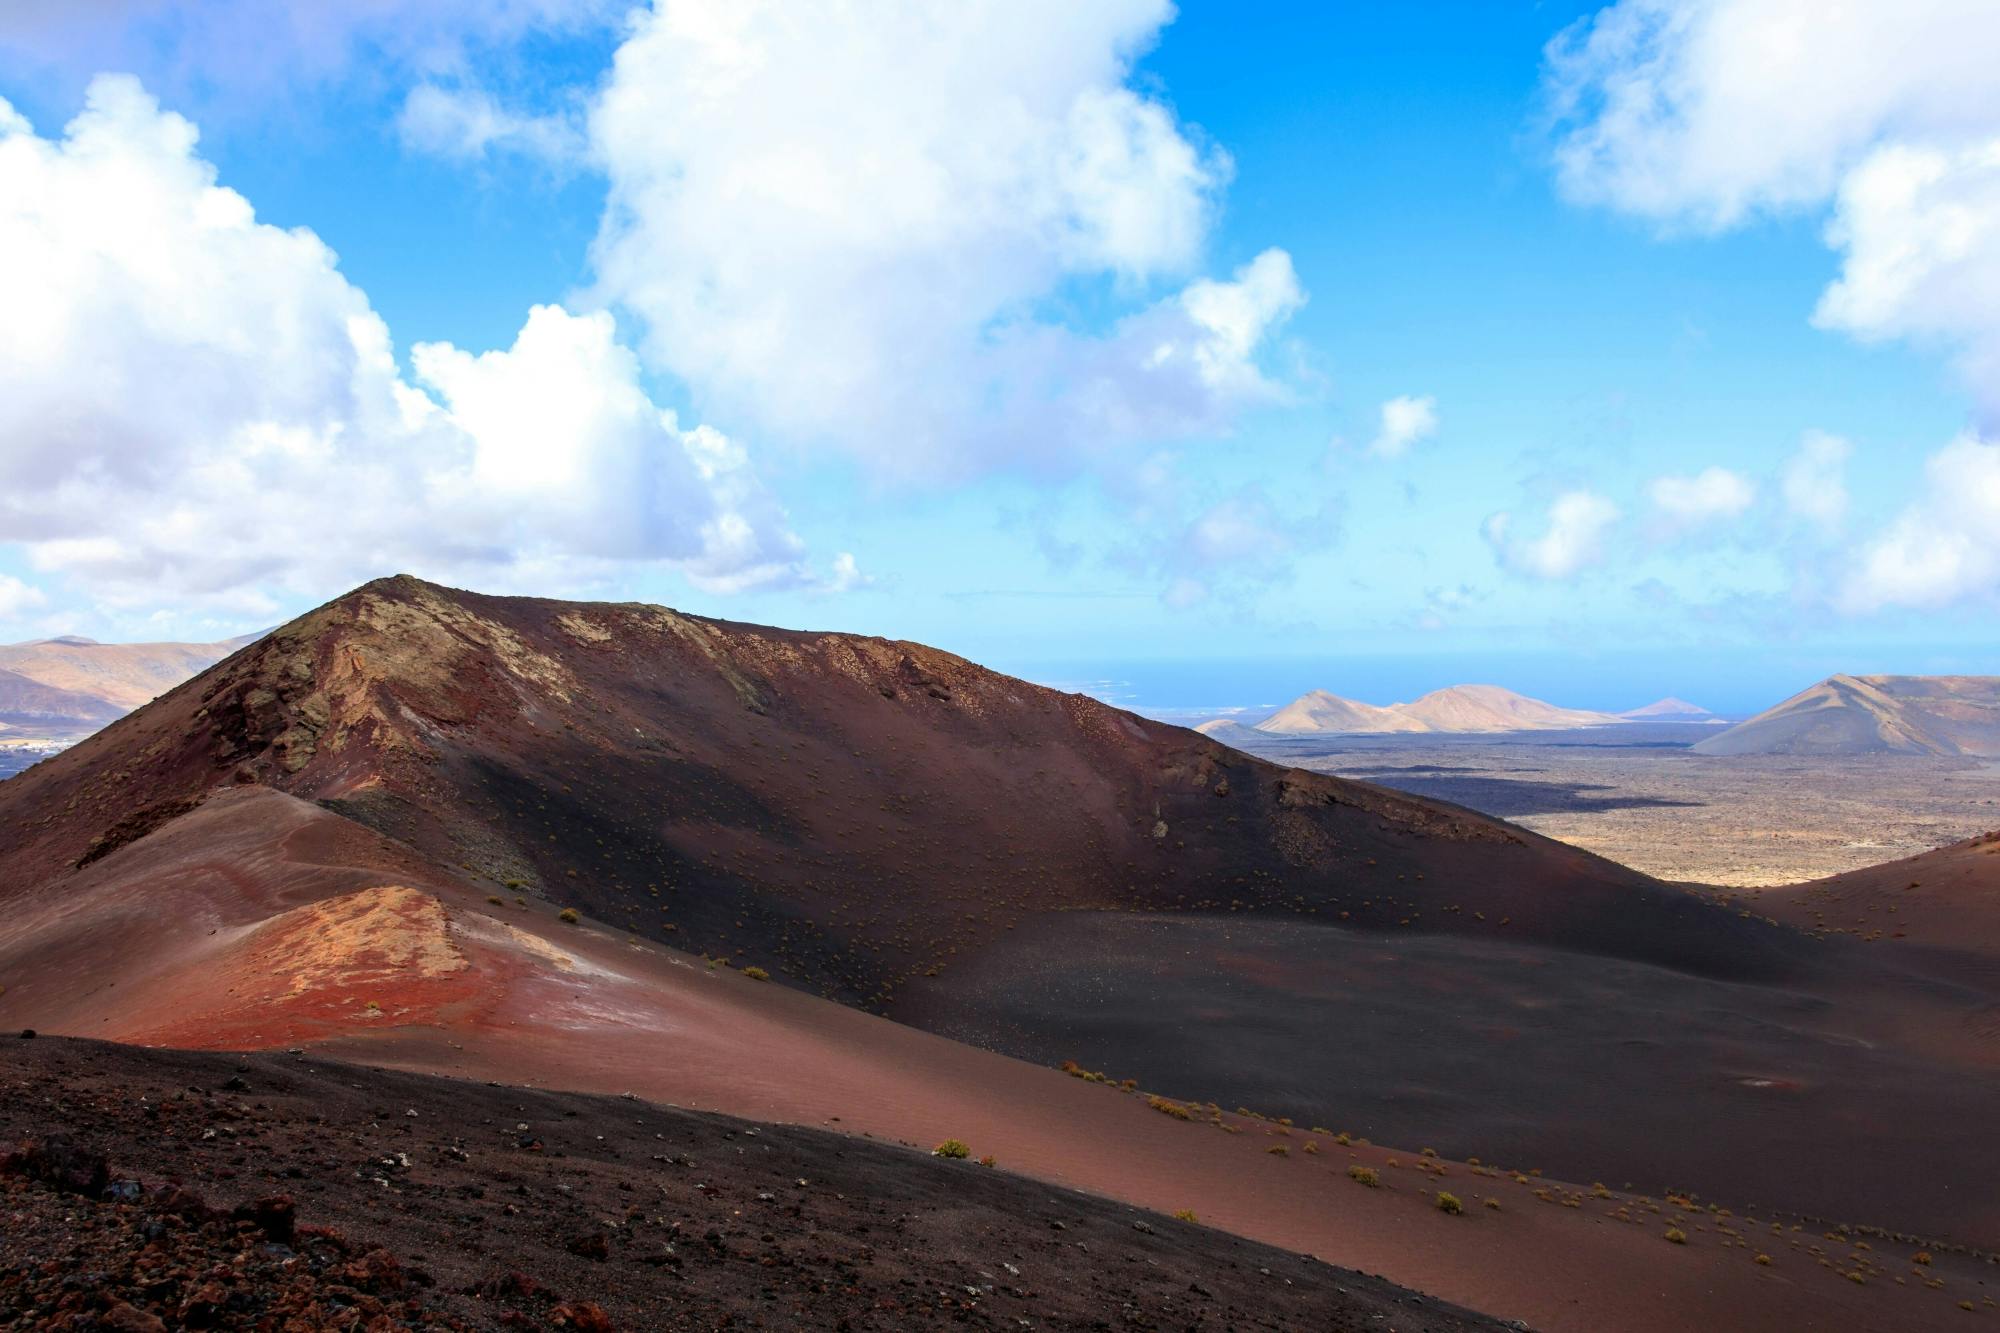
x=1454, y=710
x=32, y=703
x=105, y=680
x=1319, y=711
x=1669, y=709
x=1852, y=715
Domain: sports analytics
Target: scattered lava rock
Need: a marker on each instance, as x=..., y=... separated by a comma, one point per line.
x=55, y=1161
x=593, y=1245
x=79, y=1254
x=117, y=1213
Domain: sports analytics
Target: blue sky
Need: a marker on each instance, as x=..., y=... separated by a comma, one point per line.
x=1109, y=410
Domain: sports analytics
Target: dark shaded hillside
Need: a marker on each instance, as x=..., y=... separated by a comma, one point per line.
x=851, y=813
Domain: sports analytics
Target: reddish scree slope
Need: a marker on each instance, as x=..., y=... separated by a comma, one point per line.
x=1945, y=899
x=259, y=920
x=851, y=812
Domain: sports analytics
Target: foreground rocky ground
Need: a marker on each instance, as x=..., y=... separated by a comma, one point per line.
x=155, y=1189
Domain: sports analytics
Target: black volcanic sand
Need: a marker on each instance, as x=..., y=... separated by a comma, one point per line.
x=461, y=1205
x=1590, y=1068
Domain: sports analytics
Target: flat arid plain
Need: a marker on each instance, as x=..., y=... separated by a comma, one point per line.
x=1638, y=795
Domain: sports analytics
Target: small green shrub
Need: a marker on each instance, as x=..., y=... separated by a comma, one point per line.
x=1448, y=1203
x=1363, y=1175
x=1676, y=1236
x=756, y=974
x=1185, y=1215
x=568, y=915
x=952, y=1148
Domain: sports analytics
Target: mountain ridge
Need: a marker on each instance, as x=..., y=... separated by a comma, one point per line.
x=1453, y=710
x=119, y=676
x=1943, y=716
x=27, y=701
x=1668, y=709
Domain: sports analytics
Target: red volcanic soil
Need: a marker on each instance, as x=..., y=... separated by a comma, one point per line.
x=355, y=837
x=511, y=993
x=337, y=1196
x=1947, y=899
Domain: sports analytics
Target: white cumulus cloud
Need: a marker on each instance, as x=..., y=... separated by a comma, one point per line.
x=468, y=124
x=1710, y=495
x=1944, y=547
x=17, y=597
x=1406, y=421
x=1814, y=480
x=1703, y=111
x=1919, y=231
x=196, y=403
x=1571, y=540
x=873, y=225
x=1707, y=112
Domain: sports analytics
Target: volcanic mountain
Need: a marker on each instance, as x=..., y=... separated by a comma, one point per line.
x=1317, y=711
x=1849, y=715
x=107, y=679
x=1668, y=709
x=494, y=837
x=1454, y=709
x=30, y=703
x=1492, y=708
x=855, y=813
x=1229, y=732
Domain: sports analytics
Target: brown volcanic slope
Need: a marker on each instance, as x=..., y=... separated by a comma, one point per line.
x=261, y=920
x=1032, y=871
x=1947, y=899
x=852, y=812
